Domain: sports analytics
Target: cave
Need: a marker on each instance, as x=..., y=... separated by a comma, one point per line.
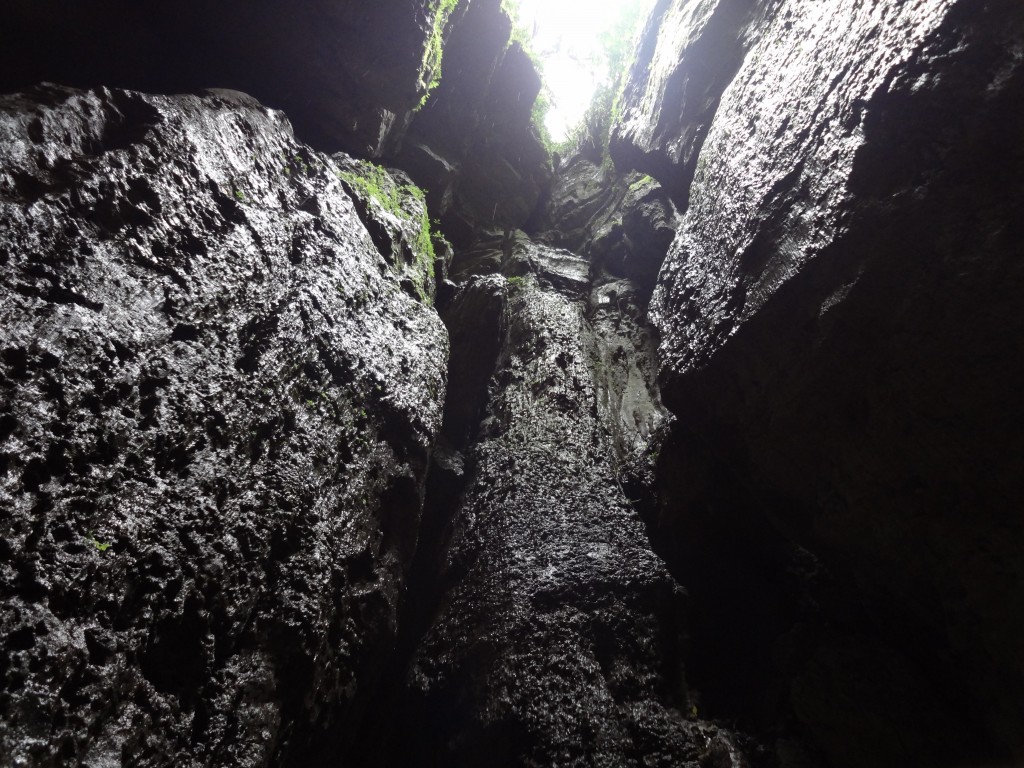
x=348, y=420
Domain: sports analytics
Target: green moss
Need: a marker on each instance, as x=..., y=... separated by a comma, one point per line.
x=425, y=256
x=101, y=546
x=372, y=182
x=643, y=181
x=431, y=68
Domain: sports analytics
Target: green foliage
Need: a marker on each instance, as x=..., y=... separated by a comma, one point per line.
x=538, y=118
x=519, y=32
x=433, y=54
x=424, y=250
x=298, y=164
x=643, y=181
x=375, y=183
x=102, y=546
x=517, y=283
x=591, y=135
x=240, y=195
x=539, y=111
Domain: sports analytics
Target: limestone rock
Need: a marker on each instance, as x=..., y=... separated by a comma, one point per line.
x=394, y=211
x=351, y=75
x=218, y=410
x=840, y=328
x=688, y=53
x=472, y=146
x=557, y=636
x=623, y=223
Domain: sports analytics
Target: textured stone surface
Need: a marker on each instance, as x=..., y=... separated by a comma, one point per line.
x=394, y=212
x=558, y=636
x=323, y=62
x=840, y=329
x=350, y=75
x=220, y=383
x=622, y=223
x=217, y=409
x=688, y=53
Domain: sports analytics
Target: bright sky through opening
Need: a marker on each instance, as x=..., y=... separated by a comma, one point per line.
x=566, y=37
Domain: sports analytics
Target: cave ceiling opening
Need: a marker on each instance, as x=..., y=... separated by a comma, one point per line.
x=573, y=41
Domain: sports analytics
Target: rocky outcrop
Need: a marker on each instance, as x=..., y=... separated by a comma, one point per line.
x=840, y=335
x=350, y=75
x=394, y=212
x=221, y=380
x=218, y=406
x=473, y=146
x=622, y=223
x=558, y=636
x=687, y=54
x=321, y=62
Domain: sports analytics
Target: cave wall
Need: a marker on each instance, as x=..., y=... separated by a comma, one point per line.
x=219, y=399
x=473, y=146
x=685, y=56
x=223, y=385
x=556, y=635
x=841, y=344
x=350, y=75
x=321, y=62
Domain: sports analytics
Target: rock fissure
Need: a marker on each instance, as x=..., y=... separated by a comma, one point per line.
x=413, y=446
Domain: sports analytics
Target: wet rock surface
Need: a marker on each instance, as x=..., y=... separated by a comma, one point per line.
x=218, y=407
x=365, y=78
x=221, y=382
x=687, y=55
x=622, y=223
x=472, y=146
x=394, y=212
x=841, y=345
x=558, y=635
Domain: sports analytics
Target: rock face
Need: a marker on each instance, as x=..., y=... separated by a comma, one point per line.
x=841, y=335
x=623, y=224
x=351, y=75
x=322, y=62
x=558, y=637
x=218, y=408
x=229, y=536
x=472, y=146
x=394, y=212
x=688, y=53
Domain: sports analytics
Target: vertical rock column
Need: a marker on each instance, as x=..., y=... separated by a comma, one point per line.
x=558, y=641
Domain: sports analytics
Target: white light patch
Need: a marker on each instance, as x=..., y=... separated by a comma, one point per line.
x=566, y=35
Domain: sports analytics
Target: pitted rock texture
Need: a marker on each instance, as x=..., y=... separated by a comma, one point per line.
x=558, y=640
x=840, y=328
x=351, y=75
x=394, y=211
x=218, y=407
x=324, y=62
